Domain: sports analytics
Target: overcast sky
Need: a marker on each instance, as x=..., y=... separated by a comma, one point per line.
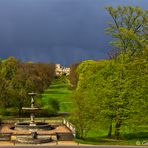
x=57, y=31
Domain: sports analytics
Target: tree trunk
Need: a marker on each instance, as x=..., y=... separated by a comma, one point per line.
x=117, y=129
x=110, y=130
x=20, y=112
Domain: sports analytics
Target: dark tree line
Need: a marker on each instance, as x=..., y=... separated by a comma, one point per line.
x=73, y=76
x=17, y=79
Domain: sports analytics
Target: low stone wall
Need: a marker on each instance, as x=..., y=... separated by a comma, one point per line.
x=65, y=136
x=5, y=136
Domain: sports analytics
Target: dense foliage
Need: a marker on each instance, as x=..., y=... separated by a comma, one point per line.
x=18, y=79
x=113, y=93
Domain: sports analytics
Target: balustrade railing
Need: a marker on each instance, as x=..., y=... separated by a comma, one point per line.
x=70, y=126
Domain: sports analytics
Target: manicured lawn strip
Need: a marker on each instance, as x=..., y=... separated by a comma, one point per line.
x=58, y=90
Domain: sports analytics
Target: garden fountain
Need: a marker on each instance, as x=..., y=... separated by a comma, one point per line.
x=32, y=126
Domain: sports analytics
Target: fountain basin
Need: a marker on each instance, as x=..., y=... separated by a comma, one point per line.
x=31, y=109
x=36, y=126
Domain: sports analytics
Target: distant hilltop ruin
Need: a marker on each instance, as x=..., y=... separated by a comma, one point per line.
x=61, y=70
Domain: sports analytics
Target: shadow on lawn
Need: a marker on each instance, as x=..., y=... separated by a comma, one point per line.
x=125, y=138
x=54, y=92
x=136, y=135
x=57, y=86
x=100, y=141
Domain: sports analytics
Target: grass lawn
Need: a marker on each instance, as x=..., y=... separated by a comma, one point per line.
x=105, y=141
x=59, y=90
x=99, y=138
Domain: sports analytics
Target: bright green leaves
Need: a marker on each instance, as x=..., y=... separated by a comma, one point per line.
x=110, y=92
x=129, y=28
x=127, y=17
x=114, y=92
x=9, y=68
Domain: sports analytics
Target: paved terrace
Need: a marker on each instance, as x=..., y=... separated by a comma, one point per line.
x=5, y=128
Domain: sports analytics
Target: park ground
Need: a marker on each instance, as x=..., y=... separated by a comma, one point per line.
x=59, y=90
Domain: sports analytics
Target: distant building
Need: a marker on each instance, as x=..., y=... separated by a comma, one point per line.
x=60, y=70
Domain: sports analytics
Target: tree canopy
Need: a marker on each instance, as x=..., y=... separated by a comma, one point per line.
x=113, y=93
x=18, y=79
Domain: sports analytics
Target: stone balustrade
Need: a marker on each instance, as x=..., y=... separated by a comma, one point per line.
x=70, y=126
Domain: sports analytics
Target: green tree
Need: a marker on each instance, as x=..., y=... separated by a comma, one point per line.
x=102, y=99
x=113, y=92
x=87, y=107
x=128, y=27
x=8, y=70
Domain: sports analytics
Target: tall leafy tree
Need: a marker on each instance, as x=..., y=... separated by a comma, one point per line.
x=114, y=92
x=86, y=99
x=129, y=27
x=7, y=72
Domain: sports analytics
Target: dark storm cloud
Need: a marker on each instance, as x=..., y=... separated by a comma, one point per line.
x=59, y=31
